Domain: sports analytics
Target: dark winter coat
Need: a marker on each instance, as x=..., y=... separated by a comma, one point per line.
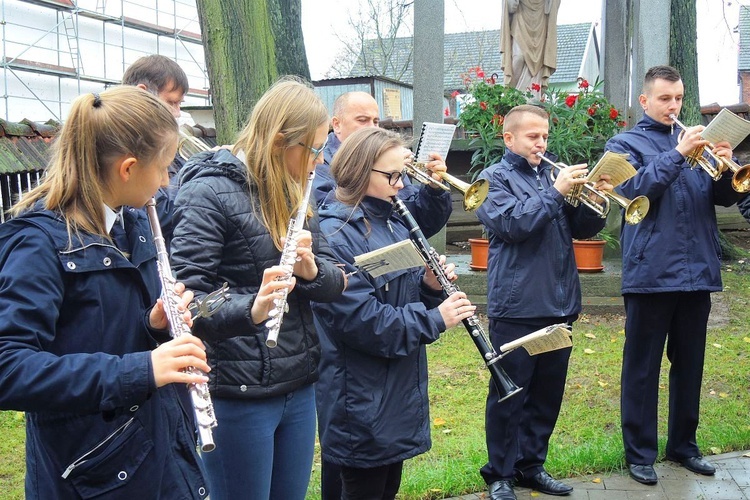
x=218, y=238
x=75, y=355
x=676, y=246
x=372, y=400
x=531, y=270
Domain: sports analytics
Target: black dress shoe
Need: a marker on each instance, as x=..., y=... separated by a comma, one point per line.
x=644, y=474
x=696, y=464
x=544, y=483
x=502, y=490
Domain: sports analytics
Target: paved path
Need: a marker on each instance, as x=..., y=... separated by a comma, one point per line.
x=731, y=482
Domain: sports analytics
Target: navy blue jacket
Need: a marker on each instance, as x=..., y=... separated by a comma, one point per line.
x=531, y=270
x=676, y=246
x=430, y=207
x=372, y=400
x=218, y=238
x=75, y=355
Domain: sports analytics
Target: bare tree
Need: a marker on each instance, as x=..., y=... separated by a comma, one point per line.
x=377, y=40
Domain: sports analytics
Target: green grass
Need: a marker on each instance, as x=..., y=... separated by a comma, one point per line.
x=587, y=437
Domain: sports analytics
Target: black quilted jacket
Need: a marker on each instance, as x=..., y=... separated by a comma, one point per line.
x=218, y=237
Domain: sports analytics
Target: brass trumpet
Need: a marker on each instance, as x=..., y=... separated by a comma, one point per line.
x=740, y=174
x=474, y=193
x=635, y=209
x=189, y=145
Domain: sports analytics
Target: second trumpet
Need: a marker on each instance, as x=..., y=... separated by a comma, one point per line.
x=474, y=193
x=600, y=201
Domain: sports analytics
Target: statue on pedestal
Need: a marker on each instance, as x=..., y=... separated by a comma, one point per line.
x=529, y=43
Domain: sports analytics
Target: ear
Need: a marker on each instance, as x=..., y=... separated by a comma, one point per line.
x=643, y=100
x=278, y=141
x=125, y=167
x=508, y=139
x=142, y=86
x=335, y=124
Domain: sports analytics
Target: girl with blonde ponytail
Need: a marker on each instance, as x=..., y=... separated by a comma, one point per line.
x=81, y=321
x=231, y=216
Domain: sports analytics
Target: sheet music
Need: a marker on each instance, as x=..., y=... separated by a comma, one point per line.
x=394, y=257
x=435, y=138
x=727, y=126
x=547, y=339
x=615, y=165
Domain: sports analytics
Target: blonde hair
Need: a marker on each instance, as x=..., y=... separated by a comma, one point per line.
x=514, y=116
x=355, y=158
x=100, y=129
x=289, y=108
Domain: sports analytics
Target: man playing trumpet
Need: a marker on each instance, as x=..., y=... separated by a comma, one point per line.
x=670, y=265
x=533, y=283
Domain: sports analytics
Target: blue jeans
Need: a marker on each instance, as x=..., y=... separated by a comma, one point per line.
x=264, y=447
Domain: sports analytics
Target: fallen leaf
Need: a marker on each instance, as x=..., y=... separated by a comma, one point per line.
x=590, y=336
x=746, y=455
x=723, y=394
x=534, y=493
x=718, y=346
x=712, y=392
x=603, y=384
x=613, y=339
x=447, y=431
x=596, y=480
x=746, y=339
x=715, y=450
x=438, y=422
x=589, y=351
x=436, y=490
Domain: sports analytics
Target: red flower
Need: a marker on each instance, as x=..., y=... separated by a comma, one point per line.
x=480, y=73
x=455, y=94
x=498, y=119
x=536, y=87
x=613, y=114
x=584, y=84
x=483, y=105
x=491, y=80
x=571, y=100
x=446, y=112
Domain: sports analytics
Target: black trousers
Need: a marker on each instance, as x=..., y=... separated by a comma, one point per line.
x=680, y=319
x=330, y=481
x=377, y=483
x=518, y=429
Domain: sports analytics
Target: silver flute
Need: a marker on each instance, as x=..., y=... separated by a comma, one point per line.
x=288, y=258
x=199, y=395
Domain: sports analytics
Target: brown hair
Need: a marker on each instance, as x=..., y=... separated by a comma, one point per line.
x=99, y=129
x=353, y=161
x=513, y=117
x=156, y=73
x=290, y=108
x=667, y=73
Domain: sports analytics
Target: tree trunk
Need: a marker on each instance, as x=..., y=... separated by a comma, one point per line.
x=683, y=55
x=240, y=58
x=286, y=25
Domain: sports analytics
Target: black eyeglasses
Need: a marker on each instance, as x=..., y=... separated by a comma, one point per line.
x=316, y=152
x=393, y=177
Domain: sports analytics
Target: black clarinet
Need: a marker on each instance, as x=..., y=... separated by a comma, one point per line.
x=504, y=385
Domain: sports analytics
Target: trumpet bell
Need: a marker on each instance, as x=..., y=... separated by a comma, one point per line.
x=475, y=194
x=636, y=210
x=741, y=179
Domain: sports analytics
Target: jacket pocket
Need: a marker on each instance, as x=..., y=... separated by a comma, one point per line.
x=112, y=463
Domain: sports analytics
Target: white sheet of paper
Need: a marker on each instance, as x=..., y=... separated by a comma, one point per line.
x=726, y=126
x=394, y=257
x=546, y=339
x=435, y=138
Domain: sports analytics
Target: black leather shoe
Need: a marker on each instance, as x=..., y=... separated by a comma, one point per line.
x=502, y=490
x=544, y=483
x=696, y=464
x=644, y=474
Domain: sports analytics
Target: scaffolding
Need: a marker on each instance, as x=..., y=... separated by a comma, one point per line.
x=55, y=50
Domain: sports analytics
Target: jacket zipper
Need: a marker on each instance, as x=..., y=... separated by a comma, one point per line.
x=84, y=458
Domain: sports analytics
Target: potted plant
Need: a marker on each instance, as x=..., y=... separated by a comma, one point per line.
x=589, y=253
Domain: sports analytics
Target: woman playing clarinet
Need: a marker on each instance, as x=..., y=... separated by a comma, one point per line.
x=372, y=395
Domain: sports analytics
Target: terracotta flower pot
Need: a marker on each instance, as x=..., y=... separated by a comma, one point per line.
x=589, y=255
x=479, y=249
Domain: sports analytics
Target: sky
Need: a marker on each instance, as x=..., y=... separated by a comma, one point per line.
x=717, y=44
